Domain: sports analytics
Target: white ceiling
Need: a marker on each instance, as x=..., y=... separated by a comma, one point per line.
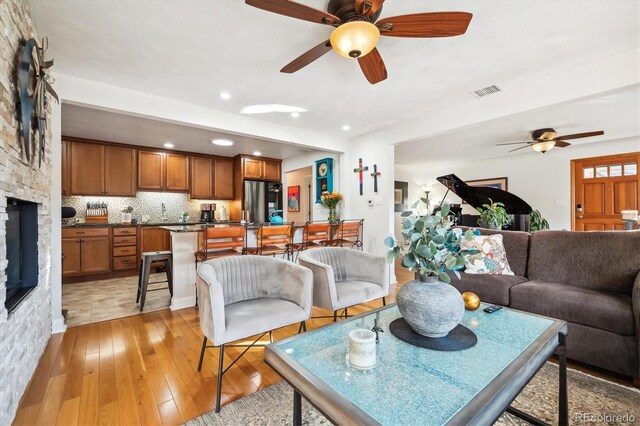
x=193, y=50
x=89, y=123
x=617, y=114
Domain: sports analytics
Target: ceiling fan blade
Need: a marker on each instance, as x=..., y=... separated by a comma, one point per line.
x=436, y=24
x=511, y=143
x=581, y=135
x=368, y=7
x=522, y=147
x=561, y=144
x=307, y=57
x=373, y=67
x=295, y=10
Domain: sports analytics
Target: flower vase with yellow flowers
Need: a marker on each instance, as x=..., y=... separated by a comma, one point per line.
x=331, y=200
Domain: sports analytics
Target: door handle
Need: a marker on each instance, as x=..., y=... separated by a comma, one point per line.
x=579, y=217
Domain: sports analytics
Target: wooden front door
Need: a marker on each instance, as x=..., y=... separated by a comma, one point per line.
x=602, y=188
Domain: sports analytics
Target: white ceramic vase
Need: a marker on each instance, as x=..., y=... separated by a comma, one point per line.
x=431, y=307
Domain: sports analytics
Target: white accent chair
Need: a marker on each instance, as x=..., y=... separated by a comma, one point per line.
x=244, y=296
x=344, y=277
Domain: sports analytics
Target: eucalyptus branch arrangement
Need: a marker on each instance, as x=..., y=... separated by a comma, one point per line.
x=430, y=247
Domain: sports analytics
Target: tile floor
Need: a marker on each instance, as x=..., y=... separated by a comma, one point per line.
x=97, y=301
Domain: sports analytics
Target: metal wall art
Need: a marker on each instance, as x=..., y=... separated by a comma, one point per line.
x=33, y=85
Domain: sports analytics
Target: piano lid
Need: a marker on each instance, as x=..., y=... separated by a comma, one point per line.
x=476, y=196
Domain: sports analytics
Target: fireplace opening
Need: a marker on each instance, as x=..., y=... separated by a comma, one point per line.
x=22, y=251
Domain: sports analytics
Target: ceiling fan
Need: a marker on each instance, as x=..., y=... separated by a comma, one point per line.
x=543, y=140
x=356, y=31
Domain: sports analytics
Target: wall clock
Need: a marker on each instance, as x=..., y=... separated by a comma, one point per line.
x=324, y=177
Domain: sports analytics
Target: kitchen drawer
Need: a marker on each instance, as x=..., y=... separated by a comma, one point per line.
x=125, y=241
x=130, y=230
x=124, y=251
x=125, y=262
x=84, y=232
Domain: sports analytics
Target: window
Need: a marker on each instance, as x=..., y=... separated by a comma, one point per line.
x=587, y=173
x=630, y=169
x=615, y=170
x=601, y=171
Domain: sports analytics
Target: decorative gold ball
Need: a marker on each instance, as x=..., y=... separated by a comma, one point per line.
x=471, y=301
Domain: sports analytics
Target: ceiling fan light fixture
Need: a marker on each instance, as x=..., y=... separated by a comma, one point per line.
x=355, y=39
x=543, y=146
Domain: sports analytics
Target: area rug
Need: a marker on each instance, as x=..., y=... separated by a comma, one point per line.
x=591, y=400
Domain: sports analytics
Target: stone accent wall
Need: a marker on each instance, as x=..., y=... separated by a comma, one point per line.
x=25, y=332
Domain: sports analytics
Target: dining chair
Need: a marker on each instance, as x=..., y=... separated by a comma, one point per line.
x=272, y=240
x=314, y=234
x=222, y=241
x=349, y=234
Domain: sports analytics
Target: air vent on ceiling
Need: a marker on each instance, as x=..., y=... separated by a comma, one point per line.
x=486, y=91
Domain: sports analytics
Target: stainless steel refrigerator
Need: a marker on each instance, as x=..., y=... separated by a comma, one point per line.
x=261, y=199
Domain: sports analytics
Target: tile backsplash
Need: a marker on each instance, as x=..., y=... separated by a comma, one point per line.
x=148, y=204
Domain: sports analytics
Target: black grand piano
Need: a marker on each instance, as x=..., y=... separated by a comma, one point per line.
x=476, y=196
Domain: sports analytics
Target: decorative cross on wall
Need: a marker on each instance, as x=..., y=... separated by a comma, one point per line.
x=375, y=175
x=359, y=170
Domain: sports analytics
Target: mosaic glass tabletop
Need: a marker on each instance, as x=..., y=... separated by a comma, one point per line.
x=412, y=385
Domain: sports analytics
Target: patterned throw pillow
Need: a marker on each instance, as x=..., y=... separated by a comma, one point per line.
x=492, y=258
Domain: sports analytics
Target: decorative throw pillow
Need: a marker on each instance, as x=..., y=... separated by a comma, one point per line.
x=491, y=259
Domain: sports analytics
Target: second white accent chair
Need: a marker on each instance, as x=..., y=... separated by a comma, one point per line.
x=344, y=277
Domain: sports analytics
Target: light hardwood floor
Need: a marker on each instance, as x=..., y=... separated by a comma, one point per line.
x=142, y=370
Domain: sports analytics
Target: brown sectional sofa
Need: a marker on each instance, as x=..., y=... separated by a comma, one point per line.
x=589, y=279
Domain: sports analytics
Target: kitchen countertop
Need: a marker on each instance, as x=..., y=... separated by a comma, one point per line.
x=165, y=224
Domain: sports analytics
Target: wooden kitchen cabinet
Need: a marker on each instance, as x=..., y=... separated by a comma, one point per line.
x=85, y=251
x=86, y=163
x=252, y=168
x=120, y=171
x=177, y=172
x=65, y=168
x=71, y=256
x=150, y=170
x=223, y=179
x=271, y=170
x=260, y=169
x=152, y=238
x=201, y=178
x=163, y=171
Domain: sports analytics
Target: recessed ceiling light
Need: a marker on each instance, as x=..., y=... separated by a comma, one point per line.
x=225, y=95
x=169, y=145
x=346, y=127
x=295, y=114
x=222, y=142
x=257, y=153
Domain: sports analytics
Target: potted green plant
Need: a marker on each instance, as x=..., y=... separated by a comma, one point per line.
x=493, y=216
x=537, y=222
x=430, y=304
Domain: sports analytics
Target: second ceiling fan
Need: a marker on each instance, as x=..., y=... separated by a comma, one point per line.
x=357, y=30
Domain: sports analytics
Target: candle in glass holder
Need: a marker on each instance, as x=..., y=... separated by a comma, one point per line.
x=362, y=348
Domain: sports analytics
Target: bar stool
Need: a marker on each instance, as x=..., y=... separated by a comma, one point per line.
x=147, y=259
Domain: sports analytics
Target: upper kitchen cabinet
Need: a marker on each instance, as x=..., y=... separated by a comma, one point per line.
x=163, y=171
x=201, y=178
x=260, y=169
x=93, y=169
x=86, y=163
x=119, y=171
x=223, y=179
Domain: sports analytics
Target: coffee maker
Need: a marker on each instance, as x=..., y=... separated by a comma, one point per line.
x=208, y=212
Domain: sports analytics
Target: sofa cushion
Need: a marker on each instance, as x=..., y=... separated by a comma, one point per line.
x=516, y=245
x=490, y=288
x=355, y=292
x=604, y=310
x=256, y=316
x=604, y=260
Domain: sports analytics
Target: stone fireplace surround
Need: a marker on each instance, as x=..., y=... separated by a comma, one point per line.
x=25, y=332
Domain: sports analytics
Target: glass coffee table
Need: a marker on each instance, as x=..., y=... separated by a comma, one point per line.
x=411, y=385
